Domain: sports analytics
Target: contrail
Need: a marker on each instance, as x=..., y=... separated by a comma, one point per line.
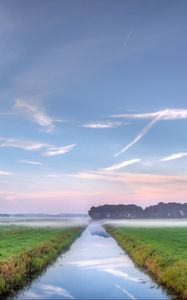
x=123, y=164
x=141, y=133
x=174, y=156
x=126, y=40
x=168, y=114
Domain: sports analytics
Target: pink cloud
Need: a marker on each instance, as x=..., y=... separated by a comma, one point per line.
x=84, y=191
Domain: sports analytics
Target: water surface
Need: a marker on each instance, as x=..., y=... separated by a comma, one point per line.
x=94, y=268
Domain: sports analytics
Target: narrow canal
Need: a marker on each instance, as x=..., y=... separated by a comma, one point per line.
x=94, y=268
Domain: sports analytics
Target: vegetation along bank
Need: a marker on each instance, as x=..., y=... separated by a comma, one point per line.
x=26, y=252
x=161, y=251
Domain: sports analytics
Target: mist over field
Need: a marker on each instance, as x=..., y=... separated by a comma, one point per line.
x=93, y=149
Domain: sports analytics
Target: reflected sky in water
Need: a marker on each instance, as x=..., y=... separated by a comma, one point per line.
x=94, y=268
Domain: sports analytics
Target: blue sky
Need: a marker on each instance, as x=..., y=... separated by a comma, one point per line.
x=93, y=104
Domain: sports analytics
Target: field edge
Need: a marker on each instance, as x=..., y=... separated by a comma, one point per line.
x=171, y=274
x=18, y=271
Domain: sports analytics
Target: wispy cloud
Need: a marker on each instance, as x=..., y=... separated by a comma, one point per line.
x=30, y=162
x=109, y=173
x=134, y=180
x=125, y=43
x=174, y=156
x=5, y=173
x=53, y=151
x=51, y=175
x=35, y=113
x=140, y=135
x=168, y=114
x=22, y=144
x=104, y=124
x=122, y=165
x=46, y=149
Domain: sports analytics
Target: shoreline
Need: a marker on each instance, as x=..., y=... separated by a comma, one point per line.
x=163, y=265
x=17, y=271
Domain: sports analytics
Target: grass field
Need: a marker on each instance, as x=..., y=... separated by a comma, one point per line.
x=161, y=251
x=26, y=252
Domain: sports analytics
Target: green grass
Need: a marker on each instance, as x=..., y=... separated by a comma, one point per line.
x=161, y=251
x=26, y=252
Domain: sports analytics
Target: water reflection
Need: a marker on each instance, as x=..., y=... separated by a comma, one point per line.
x=94, y=268
x=49, y=291
x=98, y=230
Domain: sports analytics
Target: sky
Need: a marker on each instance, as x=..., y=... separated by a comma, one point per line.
x=93, y=104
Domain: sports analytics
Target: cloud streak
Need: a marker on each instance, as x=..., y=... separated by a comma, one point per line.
x=140, y=135
x=174, y=156
x=35, y=114
x=6, y=173
x=30, y=162
x=122, y=165
x=53, y=151
x=22, y=144
x=168, y=114
x=46, y=149
x=100, y=124
x=135, y=180
x=125, y=43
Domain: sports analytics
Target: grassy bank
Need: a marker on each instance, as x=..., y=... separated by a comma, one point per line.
x=161, y=251
x=26, y=252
